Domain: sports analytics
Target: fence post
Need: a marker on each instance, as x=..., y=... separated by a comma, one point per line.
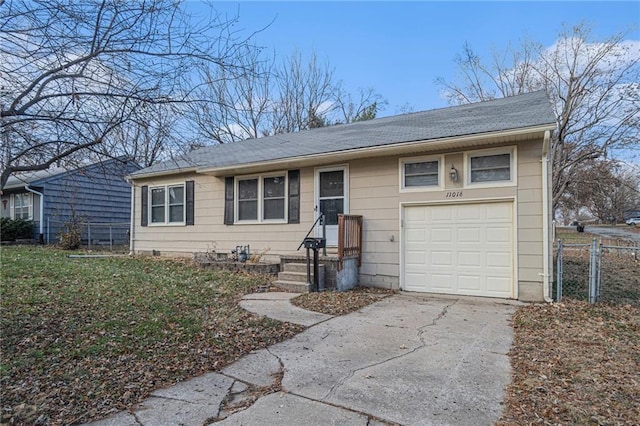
x=599, y=282
x=559, y=272
x=110, y=238
x=89, y=235
x=593, y=259
x=48, y=228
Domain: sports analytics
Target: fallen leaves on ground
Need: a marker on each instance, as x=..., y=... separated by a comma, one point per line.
x=85, y=338
x=575, y=363
x=340, y=303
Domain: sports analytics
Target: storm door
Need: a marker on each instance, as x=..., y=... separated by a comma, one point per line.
x=331, y=199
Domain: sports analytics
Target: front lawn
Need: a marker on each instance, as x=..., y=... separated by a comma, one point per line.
x=83, y=338
x=575, y=364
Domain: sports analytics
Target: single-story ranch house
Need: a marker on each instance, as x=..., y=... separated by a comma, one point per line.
x=454, y=200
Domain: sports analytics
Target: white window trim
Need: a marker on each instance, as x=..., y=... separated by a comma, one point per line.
x=511, y=150
x=260, y=208
x=421, y=159
x=166, y=187
x=12, y=205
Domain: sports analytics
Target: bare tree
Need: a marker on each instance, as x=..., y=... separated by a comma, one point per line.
x=265, y=97
x=73, y=72
x=305, y=94
x=237, y=103
x=365, y=107
x=608, y=188
x=593, y=85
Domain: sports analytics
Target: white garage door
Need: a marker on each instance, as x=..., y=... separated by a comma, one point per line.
x=464, y=249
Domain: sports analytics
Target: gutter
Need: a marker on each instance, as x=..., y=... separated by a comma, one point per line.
x=132, y=220
x=41, y=211
x=545, y=217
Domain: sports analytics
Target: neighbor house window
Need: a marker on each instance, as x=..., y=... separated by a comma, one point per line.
x=420, y=173
x=22, y=206
x=262, y=198
x=490, y=167
x=167, y=204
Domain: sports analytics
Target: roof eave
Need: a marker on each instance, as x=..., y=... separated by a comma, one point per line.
x=391, y=149
x=161, y=173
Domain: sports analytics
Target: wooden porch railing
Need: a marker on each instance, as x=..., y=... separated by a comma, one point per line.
x=349, y=237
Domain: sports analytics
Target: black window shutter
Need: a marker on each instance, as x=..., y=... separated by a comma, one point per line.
x=144, y=211
x=228, y=200
x=294, y=196
x=190, y=203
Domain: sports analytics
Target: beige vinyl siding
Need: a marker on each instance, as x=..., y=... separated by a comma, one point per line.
x=374, y=195
x=209, y=232
x=529, y=209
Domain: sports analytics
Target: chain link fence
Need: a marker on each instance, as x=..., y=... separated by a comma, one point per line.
x=605, y=271
x=94, y=235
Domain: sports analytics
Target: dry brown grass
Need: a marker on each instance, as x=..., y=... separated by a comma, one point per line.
x=575, y=363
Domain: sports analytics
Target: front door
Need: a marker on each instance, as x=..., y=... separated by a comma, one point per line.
x=331, y=199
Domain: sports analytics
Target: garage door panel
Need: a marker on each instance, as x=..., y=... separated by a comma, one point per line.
x=470, y=259
x=469, y=235
x=469, y=282
x=418, y=236
x=466, y=213
x=500, y=212
x=501, y=235
x=498, y=259
x=441, y=259
x=441, y=235
x=441, y=283
x=496, y=285
x=415, y=258
x=442, y=215
x=466, y=249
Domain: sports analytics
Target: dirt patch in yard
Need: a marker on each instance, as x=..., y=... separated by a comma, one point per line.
x=575, y=363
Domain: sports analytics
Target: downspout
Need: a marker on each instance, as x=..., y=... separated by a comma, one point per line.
x=133, y=219
x=41, y=237
x=546, y=275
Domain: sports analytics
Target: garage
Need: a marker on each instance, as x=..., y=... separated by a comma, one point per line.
x=463, y=249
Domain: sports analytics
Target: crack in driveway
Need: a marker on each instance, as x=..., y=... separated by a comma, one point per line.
x=421, y=331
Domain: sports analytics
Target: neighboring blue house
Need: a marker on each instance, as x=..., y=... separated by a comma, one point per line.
x=96, y=193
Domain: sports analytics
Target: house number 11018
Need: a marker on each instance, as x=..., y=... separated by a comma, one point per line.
x=453, y=194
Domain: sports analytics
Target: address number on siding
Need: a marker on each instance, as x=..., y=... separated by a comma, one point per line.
x=453, y=194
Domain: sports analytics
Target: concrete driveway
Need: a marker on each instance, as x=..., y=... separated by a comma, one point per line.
x=409, y=359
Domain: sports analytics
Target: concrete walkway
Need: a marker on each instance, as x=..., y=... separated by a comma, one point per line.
x=408, y=359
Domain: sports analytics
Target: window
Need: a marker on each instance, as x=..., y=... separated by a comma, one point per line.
x=420, y=173
x=261, y=198
x=167, y=204
x=248, y=199
x=490, y=167
x=22, y=206
x=273, y=205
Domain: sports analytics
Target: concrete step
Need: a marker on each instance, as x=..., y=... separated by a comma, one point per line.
x=297, y=267
x=300, y=277
x=298, y=287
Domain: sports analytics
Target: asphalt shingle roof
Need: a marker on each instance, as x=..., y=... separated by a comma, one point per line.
x=516, y=112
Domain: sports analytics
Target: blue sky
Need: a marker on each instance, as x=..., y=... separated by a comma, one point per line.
x=400, y=48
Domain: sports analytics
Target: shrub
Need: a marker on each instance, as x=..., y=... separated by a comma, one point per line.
x=71, y=235
x=15, y=229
